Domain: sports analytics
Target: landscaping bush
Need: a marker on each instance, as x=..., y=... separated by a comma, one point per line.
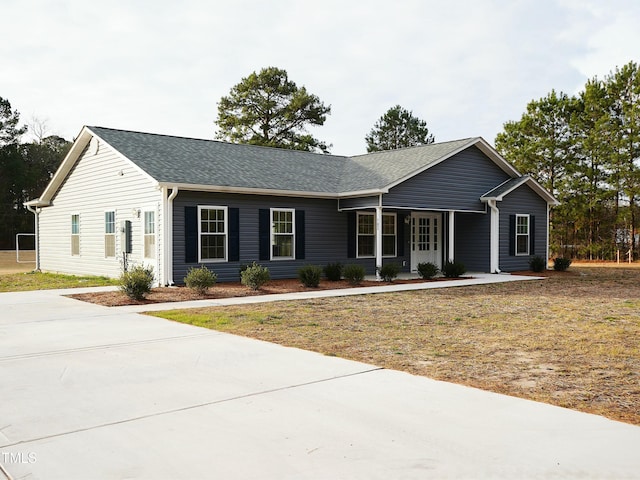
x=389, y=271
x=537, y=264
x=354, y=274
x=561, y=264
x=427, y=270
x=200, y=279
x=310, y=275
x=254, y=276
x=136, y=282
x=333, y=272
x=453, y=269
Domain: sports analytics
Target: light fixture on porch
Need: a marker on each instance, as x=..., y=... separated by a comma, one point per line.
x=407, y=219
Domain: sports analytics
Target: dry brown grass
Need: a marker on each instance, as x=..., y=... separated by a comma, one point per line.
x=571, y=340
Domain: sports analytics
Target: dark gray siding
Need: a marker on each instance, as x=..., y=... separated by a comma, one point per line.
x=361, y=202
x=325, y=234
x=522, y=201
x=472, y=233
x=455, y=184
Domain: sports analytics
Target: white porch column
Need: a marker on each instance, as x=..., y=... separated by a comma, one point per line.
x=378, y=241
x=495, y=238
x=451, y=238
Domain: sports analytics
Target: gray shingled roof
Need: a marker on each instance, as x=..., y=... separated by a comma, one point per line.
x=505, y=187
x=191, y=161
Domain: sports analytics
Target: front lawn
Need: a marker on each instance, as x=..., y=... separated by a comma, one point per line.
x=571, y=340
x=16, y=282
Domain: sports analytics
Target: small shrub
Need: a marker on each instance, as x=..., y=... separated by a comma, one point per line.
x=200, y=279
x=333, y=272
x=537, y=264
x=136, y=282
x=254, y=276
x=427, y=270
x=561, y=263
x=310, y=275
x=453, y=269
x=389, y=271
x=354, y=274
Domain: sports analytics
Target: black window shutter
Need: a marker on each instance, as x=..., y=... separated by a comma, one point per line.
x=532, y=235
x=300, y=239
x=351, y=234
x=234, y=234
x=400, y=231
x=264, y=233
x=190, y=234
x=512, y=235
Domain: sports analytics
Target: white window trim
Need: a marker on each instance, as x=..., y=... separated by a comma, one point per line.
x=226, y=234
x=75, y=235
x=155, y=233
x=115, y=231
x=272, y=234
x=528, y=235
x=375, y=234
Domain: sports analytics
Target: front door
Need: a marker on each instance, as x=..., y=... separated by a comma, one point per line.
x=426, y=239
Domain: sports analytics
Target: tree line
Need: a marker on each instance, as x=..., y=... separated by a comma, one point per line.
x=25, y=170
x=585, y=149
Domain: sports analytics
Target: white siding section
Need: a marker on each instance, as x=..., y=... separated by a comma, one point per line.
x=97, y=183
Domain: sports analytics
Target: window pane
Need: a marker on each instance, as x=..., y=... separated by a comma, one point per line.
x=366, y=224
x=388, y=225
x=283, y=246
x=366, y=246
x=523, y=225
x=282, y=221
x=149, y=246
x=149, y=223
x=75, y=224
x=75, y=245
x=389, y=245
x=110, y=222
x=212, y=247
x=522, y=245
x=109, y=245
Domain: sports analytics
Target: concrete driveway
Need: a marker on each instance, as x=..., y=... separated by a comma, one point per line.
x=90, y=392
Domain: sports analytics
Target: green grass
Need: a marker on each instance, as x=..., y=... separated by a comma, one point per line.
x=19, y=282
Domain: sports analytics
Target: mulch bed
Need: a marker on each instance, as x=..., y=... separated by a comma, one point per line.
x=224, y=290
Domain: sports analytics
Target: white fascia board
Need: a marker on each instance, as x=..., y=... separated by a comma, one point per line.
x=246, y=190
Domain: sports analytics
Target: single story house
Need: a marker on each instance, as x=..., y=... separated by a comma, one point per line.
x=122, y=197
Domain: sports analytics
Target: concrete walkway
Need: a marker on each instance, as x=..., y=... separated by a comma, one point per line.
x=106, y=393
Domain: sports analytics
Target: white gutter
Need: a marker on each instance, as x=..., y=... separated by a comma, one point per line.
x=36, y=211
x=495, y=237
x=167, y=202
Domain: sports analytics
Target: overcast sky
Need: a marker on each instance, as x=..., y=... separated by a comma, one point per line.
x=465, y=67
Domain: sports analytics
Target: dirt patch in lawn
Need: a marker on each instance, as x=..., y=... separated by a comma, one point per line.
x=571, y=340
x=9, y=261
x=221, y=290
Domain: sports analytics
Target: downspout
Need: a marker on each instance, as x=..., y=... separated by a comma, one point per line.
x=169, y=236
x=36, y=211
x=548, y=236
x=494, y=237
